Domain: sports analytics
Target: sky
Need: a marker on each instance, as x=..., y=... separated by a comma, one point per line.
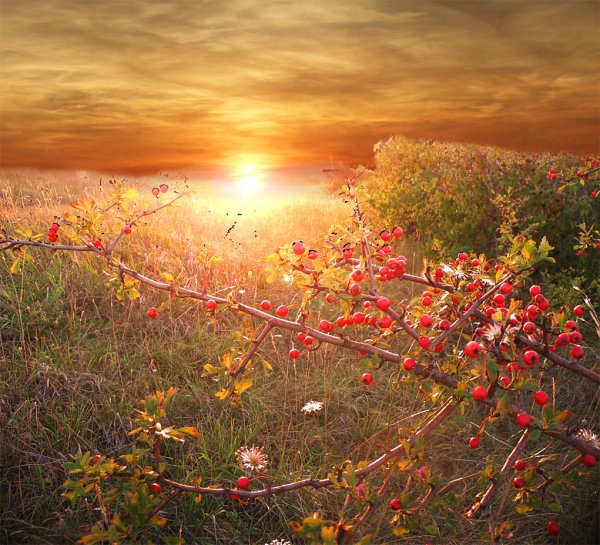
x=143, y=87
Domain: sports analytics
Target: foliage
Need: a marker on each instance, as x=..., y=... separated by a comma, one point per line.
x=479, y=337
x=457, y=196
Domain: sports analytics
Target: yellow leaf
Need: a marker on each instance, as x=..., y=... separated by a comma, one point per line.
x=223, y=393
x=243, y=385
x=400, y=531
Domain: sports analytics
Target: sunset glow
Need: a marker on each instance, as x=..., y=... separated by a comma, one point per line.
x=186, y=86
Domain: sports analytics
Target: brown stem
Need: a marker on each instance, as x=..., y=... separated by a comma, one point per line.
x=508, y=463
x=255, y=345
x=317, y=483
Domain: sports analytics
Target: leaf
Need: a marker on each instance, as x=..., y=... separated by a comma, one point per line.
x=189, y=430
x=562, y=416
x=243, y=385
x=14, y=268
x=400, y=530
x=431, y=529
x=223, y=394
x=554, y=507
x=523, y=508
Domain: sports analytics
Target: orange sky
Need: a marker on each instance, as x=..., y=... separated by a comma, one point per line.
x=139, y=86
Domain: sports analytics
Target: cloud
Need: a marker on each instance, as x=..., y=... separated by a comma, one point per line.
x=136, y=85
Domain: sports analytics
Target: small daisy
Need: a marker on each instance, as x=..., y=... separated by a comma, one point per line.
x=312, y=407
x=492, y=332
x=252, y=459
x=589, y=437
x=278, y=542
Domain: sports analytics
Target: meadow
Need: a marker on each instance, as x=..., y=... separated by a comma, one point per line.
x=75, y=363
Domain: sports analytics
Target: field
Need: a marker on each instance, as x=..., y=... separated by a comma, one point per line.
x=75, y=363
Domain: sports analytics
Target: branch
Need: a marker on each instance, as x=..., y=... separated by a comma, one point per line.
x=508, y=463
x=318, y=483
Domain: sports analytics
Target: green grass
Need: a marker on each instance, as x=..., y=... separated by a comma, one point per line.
x=74, y=363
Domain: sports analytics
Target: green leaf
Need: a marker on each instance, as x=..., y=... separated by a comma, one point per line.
x=431, y=529
x=554, y=507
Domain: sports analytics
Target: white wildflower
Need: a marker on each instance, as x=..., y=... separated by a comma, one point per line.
x=492, y=332
x=252, y=459
x=589, y=437
x=312, y=407
x=278, y=542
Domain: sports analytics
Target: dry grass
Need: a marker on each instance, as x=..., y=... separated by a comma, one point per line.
x=74, y=363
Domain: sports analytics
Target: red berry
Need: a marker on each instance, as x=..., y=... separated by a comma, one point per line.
x=529, y=328
x=480, y=393
x=409, y=364
x=519, y=482
x=358, y=317
x=505, y=380
x=385, y=322
x=520, y=465
x=426, y=320
x=579, y=310
x=294, y=353
x=326, y=326
x=523, y=420
x=540, y=397
x=395, y=504
x=329, y=298
x=265, y=305
x=506, y=288
x=474, y=442
x=308, y=341
x=355, y=290
x=243, y=483
x=95, y=459
x=358, y=275
x=366, y=379
x=312, y=254
x=426, y=301
x=575, y=337
x=535, y=290
x=152, y=312
x=155, y=487
x=588, y=460
x=553, y=528
x=164, y=188
x=473, y=349
x=298, y=247
x=211, y=304
x=385, y=235
x=563, y=339
x=383, y=303
x=531, y=357
x=499, y=300
x=571, y=324
x=444, y=325
x=52, y=236
x=282, y=310
x=580, y=173
x=127, y=229
x=576, y=352
x=424, y=342
x=54, y=227
x=155, y=191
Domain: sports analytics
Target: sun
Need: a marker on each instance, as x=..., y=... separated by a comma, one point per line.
x=249, y=180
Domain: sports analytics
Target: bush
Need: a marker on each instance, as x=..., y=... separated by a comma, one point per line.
x=456, y=196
